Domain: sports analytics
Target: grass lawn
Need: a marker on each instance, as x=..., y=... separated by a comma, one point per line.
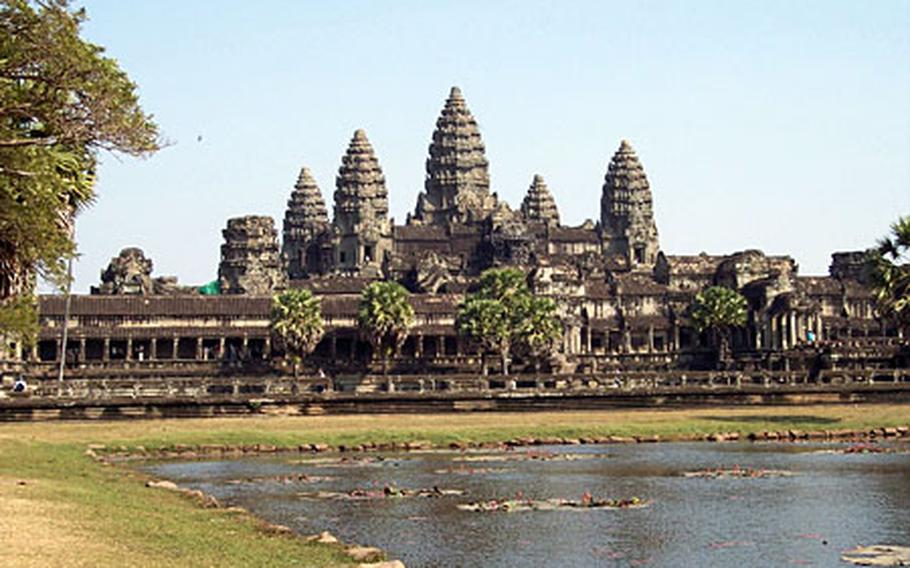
x=58, y=507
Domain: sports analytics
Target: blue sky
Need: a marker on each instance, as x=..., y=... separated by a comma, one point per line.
x=783, y=126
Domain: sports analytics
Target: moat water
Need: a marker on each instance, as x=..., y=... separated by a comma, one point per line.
x=830, y=503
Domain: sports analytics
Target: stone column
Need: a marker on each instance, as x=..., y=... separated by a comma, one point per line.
x=588, y=340
x=418, y=346
x=82, y=350
x=773, y=324
x=650, y=339
x=676, y=345
x=220, y=348
x=106, y=353
x=440, y=346
x=333, y=347
x=129, y=349
x=58, y=351
x=153, y=349
x=199, y=352
x=175, y=348
x=791, y=329
x=267, y=349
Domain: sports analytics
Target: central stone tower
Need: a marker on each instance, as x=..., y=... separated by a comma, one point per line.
x=363, y=231
x=626, y=212
x=458, y=180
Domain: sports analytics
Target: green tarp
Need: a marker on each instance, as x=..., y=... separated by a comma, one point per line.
x=210, y=289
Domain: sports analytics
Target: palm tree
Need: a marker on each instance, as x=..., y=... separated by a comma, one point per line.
x=385, y=316
x=719, y=309
x=296, y=321
x=891, y=273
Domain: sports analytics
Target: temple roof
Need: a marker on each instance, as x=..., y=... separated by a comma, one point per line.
x=183, y=305
x=420, y=233
x=626, y=203
x=538, y=204
x=458, y=180
x=360, y=184
x=306, y=208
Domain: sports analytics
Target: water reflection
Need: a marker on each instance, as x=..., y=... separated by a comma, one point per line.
x=833, y=502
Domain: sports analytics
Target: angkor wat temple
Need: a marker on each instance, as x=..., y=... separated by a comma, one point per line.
x=623, y=301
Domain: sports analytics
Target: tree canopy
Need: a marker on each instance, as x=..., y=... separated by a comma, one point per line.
x=385, y=315
x=296, y=321
x=62, y=101
x=719, y=309
x=891, y=273
x=503, y=315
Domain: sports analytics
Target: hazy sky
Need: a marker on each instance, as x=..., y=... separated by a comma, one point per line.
x=783, y=126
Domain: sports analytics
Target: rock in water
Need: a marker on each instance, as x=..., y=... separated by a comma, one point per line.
x=878, y=555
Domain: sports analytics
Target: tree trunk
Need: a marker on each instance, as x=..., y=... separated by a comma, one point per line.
x=723, y=351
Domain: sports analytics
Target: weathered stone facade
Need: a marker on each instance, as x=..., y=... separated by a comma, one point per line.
x=363, y=231
x=458, y=180
x=250, y=259
x=130, y=273
x=624, y=303
x=539, y=205
x=306, y=245
x=626, y=215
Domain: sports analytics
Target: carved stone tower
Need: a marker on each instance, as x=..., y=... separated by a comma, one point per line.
x=626, y=214
x=458, y=181
x=539, y=205
x=306, y=229
x=363, y=231
x=250, y=261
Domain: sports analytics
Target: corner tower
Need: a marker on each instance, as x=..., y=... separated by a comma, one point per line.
x=306, y=225
x=457, y=187
x=626, y=212
x=362, y=229
x=539, y=204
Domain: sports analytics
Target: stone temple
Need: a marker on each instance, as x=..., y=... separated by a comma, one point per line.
x=623, y=301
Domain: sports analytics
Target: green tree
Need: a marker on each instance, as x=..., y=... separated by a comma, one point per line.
x=296, y=322
x=61, y=103
x=488, y=322
x=503, y=315
x=718, y=309
x=891, y=273
x=542, y=329
x=385, y=315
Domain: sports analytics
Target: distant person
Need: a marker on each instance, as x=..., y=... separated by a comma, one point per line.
x=20, y=385
x=810, y=336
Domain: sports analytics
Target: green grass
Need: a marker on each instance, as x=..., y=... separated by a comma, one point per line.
x=112, y=519
x=126, y=523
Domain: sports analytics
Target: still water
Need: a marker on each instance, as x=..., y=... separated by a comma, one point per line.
x=831, y=502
